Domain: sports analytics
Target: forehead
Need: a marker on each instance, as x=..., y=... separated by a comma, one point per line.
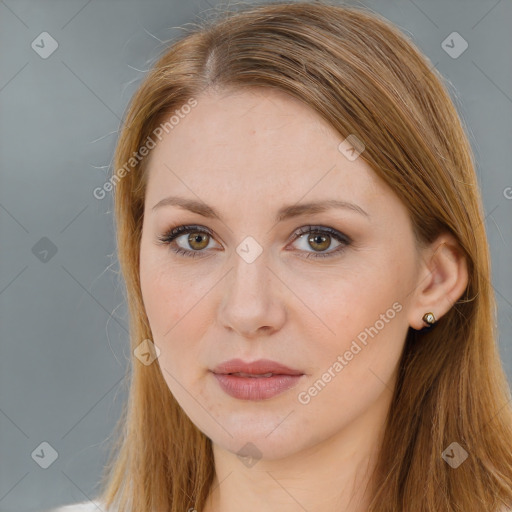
x=257, y=144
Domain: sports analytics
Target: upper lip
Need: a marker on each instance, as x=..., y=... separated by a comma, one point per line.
x=259, y=367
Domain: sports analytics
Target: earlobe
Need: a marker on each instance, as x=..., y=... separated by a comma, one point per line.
x=442, y=282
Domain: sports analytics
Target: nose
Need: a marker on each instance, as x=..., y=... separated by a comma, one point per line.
x=253, y=295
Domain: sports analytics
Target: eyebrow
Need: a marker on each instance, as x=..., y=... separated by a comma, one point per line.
x=284, y=213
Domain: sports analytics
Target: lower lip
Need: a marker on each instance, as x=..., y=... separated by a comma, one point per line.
x=256, y=388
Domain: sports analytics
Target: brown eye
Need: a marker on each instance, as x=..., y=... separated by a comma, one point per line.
x=198, y=238
x=319, y=242
x=314, y=241
x=187, y=240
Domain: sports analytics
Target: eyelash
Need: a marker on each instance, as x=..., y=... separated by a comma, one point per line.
x=173, y=233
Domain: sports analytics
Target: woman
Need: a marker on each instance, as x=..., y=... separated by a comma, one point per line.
x=302, y=238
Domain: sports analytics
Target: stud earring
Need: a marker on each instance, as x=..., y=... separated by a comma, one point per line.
x=429, y=319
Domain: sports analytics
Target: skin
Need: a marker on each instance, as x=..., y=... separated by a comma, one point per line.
x=247, y=154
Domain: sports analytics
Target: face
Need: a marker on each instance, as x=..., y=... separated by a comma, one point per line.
x=323, y=291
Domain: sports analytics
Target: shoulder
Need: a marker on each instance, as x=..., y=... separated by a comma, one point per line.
x=85, y=506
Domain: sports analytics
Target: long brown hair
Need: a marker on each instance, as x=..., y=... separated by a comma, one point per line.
x=364, y=77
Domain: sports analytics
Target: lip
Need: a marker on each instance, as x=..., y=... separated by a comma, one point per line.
x=255, y=388
x=259, y=367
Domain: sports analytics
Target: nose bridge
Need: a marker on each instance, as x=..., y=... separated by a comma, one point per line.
x=250, y=301
x=249, y=280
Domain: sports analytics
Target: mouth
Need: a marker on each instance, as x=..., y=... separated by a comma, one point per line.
x=259, y=380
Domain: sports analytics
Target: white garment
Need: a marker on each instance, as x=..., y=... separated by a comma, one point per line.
x=85, y=506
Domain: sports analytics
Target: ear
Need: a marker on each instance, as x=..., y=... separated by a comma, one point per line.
x=442, y=279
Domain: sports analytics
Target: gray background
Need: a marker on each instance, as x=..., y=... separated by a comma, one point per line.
x=64, y=344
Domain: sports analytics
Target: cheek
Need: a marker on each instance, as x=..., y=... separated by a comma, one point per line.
x=356, y=313
x=161, y=300
x=345, y=301
x=175, y=307
x=168, y=291
x=353, y=367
